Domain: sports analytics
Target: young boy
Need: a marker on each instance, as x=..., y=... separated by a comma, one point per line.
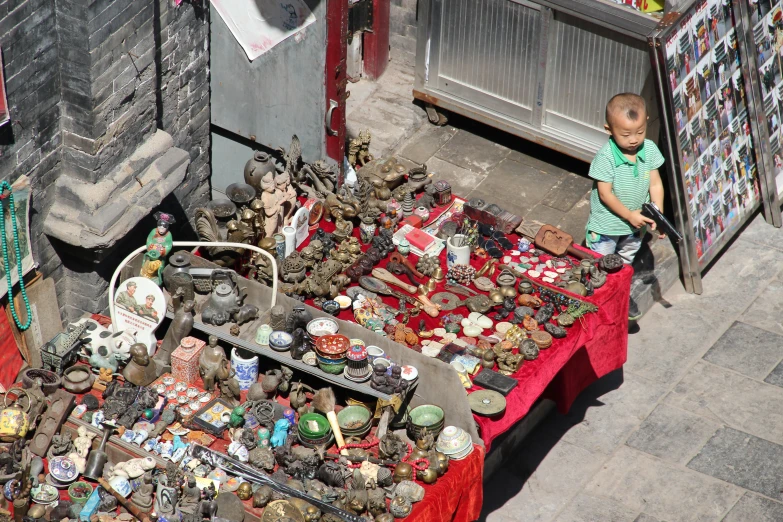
x=626, y=175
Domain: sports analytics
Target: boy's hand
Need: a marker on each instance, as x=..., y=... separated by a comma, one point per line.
x=637, y=220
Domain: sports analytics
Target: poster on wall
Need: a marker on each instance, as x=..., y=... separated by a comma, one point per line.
x=21, y=215
x=714, y=144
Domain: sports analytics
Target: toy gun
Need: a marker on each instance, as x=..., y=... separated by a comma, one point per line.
x=650, y=210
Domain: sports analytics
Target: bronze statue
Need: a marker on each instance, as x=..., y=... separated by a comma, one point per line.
x=212, y=364
x=140, y=371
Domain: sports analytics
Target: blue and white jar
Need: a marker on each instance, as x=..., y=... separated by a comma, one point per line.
x=246, y=370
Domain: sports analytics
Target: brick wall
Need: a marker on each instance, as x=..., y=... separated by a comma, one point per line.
x=402, y=31
x=30, y=143
x=88, y=82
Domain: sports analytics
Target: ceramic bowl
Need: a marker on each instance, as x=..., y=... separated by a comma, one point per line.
x=310, y=359
x=326, y=441
x=332, y=346
x=322, y=326
x=45, y=494
x=304, y=425
x=453, y=441
x=375, y=352
x=280, y=341
x=426, y=415
x=344, y=301
x=79, y=379
x=50, y=381
x=79, y=492
x=461, y=455
x=332, y=366
x=331, y=307
x=353, y=418
x=63, y=469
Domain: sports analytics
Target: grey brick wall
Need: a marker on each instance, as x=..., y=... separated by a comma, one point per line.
x=402, y=31
x=30, y=144
x=88, y=81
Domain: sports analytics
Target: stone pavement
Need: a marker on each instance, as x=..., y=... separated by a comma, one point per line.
x=690, y=430
x=477, y=160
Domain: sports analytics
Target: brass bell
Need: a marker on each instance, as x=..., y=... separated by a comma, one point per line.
x=428, y=476
x=438, y=275
x=431, y=285
x=403, y=471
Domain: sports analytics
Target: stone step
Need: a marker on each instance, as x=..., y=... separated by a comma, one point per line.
x=656, y=269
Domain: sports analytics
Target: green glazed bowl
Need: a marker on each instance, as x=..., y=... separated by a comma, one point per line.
x=304, y=426
x=426, y=415
x=79, y=492
x=354, y=420
x=334, y=369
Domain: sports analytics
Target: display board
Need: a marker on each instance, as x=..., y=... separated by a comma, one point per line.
x=766, y=18
x=717, y=171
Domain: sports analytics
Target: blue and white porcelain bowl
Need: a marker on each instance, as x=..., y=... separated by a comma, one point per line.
x=280, y=341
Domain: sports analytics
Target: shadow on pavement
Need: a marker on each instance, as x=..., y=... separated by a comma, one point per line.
x=509, y=480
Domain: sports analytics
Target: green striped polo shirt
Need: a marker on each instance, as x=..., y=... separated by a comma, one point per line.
x=630, y=189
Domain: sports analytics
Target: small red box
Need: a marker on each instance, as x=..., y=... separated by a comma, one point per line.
x=419, y=239
x=414, y=221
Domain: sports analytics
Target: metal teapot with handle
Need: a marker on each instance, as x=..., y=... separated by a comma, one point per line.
x=224, y=301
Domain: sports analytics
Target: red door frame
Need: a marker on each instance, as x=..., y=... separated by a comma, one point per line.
x=335, y=75
x=376, y=43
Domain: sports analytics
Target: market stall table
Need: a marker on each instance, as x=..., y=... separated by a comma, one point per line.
x=453, y=498
x=595, y=345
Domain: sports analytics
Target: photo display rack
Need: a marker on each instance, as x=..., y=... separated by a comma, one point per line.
x=718, y=137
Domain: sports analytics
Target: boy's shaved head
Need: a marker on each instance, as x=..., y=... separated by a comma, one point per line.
x=626, y=104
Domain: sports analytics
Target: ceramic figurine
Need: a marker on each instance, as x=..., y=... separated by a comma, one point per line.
x=160, y=238
x=286, y=196
x=152, y=266
x=272, y=206
x=140, y=371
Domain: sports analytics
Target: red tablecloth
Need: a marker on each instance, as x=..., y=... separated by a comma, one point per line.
x=594, y=346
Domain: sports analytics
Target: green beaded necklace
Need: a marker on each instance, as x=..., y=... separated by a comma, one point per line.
x=22, y=327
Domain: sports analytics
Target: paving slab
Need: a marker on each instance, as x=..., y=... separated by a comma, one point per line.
x=742, y=459
x=599, y=423
x=472, y=152
x=426, y=142
x=586, y=508
x=575, y=220
x=755, y=508
x=760, y=232
x=767, y=310
x=533, y=489
x=672, y=434
x=775, y=377
x=748, y=350
x=568, y=191
x=731, y=399
x=462, y=181
x=646, y=518
x=541, y=160
x=665, y=491
x=545, y=214
x=514, y=186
